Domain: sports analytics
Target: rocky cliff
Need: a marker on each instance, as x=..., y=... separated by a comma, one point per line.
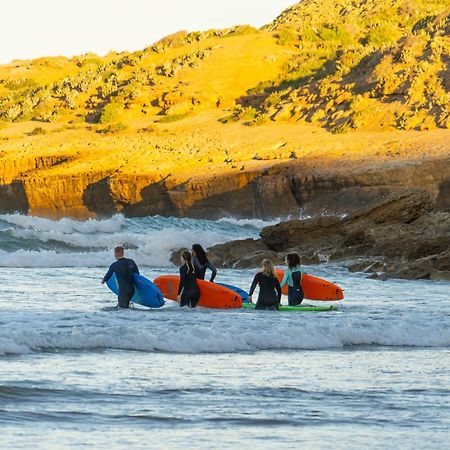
x=400, y=235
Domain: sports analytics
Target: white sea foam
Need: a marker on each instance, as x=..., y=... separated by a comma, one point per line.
x=212, y=338
x=66, y=226
x=151, y=240
x=256, y=223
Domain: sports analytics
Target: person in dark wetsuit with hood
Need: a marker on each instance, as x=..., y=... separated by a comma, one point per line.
x=124, y=269
x=269, y=287
x=188, y=292
x=201, y=263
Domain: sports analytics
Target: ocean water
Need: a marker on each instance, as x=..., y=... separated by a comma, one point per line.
x=74, y=373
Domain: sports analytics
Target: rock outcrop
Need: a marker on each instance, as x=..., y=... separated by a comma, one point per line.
x=400, y=236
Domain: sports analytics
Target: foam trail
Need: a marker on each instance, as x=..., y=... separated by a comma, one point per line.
x=236, y=337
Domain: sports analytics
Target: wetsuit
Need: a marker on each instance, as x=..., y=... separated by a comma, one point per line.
x=200, y=269
x=124, y=269
x=293, y=277
x=269, y=291
x=188, y=289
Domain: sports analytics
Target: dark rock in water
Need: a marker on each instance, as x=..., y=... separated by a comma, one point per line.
x=175, y=258
x=295, y=233
x=242, y=254
x=423, y=268
x=397, y=235
x=400, y=228
x=255, y=260
x=440, y=275
x=401, y=207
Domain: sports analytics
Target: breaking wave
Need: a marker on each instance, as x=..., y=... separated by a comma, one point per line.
x=27, y=241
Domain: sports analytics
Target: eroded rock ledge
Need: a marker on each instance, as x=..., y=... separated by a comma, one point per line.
x=400, y=236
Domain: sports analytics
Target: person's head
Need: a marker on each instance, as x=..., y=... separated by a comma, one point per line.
x=199, y=252
x=186, y=258
x=292, y=260
x=267, y=268
x=119, y=252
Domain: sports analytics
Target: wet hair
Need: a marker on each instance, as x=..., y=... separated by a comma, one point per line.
x=268, y=268
x=186, y=255
x=293, y=260
x=119, y=250
x=200, y=254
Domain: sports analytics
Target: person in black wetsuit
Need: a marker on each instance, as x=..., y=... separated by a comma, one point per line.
x=188, y=292
x=269, y=287
x=293, y=277
x=201, y=263
x=124, y=269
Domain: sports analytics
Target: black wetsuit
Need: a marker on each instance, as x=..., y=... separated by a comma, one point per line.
x=200, y=269
x=124, y=269
x=188, y=289
x=269, y=291
x=295, y=293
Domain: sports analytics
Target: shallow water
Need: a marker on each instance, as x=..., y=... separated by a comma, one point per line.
x=74, y=373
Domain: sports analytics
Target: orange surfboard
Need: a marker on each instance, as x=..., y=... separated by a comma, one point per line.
x=211, y=295
x=315, y=288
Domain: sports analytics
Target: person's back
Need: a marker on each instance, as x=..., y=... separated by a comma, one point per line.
x=293, y=277
x=123, y=268
x=201, y=263
x=269, y=287
x=188, y=291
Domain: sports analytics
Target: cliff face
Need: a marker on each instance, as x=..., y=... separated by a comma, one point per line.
x=321, y=181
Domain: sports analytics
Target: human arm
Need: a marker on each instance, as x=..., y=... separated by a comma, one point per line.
x=254, y=284
x=108, y=275
x=211, y=267
x=182, y=280
x=278, y=289
x=285, y=278
x=135, y=268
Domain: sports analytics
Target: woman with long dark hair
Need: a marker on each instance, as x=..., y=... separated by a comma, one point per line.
x=201, y=263
x=188, y=292
x=269, y=287
x=293, y=277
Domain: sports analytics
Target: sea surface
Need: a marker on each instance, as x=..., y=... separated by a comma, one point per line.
x=75, y=373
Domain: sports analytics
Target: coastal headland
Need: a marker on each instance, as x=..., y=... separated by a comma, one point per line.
x=332, y=110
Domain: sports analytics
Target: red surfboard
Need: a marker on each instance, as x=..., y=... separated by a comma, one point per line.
x=211, y=295
x=315, y=288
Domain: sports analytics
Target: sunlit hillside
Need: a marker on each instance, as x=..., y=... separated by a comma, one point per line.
x=341, y=65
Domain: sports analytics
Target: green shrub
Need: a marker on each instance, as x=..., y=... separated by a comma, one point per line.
x=240, y=113
x=174, y=117
x=111, y=112
x=287, y=36
x=241, y=30
x=113, y=128
x=37, y=131
x=383, y=34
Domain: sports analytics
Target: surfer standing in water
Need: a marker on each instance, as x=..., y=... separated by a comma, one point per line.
x=188, y=292
x=124, y=269
x=201, y=263
x=269, y=287
x=293, y=277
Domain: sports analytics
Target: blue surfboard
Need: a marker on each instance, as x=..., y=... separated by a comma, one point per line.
x=244, y=295
x=147, y=294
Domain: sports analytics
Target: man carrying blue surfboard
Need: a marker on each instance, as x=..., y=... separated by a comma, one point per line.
x=124, y=269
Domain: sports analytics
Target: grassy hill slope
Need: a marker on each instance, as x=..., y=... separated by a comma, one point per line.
x=342, y=65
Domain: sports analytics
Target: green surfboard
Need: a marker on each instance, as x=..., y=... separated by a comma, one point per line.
x=296, y=308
